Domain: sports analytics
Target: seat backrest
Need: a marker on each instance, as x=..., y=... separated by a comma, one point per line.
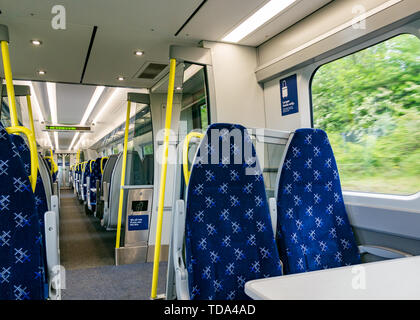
x=313, y=231
x=40, y=194
x=94, y=175
x=21, y=263
x=229, y=237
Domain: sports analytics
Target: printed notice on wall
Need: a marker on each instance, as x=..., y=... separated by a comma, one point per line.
x=138, y=222
x=289, y=95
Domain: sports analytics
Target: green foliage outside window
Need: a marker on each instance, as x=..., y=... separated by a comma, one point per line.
x=369, y=104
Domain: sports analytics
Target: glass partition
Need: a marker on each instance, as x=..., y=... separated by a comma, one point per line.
x=194, y=107
x=5, y=112
x=141, y=160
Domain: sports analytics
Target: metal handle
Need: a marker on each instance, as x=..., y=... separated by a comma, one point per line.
x=185, y=150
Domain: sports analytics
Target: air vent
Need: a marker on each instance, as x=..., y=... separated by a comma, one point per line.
x=151, y=71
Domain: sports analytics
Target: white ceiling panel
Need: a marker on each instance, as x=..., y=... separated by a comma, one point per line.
x=122, y=27
x=72, y=101
x=61, y=54
x=218, y=17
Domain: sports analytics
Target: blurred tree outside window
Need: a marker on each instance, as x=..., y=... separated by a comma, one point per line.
x=369, y=105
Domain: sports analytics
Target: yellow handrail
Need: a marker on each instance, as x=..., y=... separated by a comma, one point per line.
x=120, y=205
x=158, y=238
x=185, y=153
x=15, y=128
x=9, y=83
x=32, y=147
x=54, y=167
x=102, y=161
x=31, y=118
x=90, y=165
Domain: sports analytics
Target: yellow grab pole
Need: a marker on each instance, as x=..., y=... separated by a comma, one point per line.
x=9, y=83
x=120, y=205
x=163, y=176
x=31, y=117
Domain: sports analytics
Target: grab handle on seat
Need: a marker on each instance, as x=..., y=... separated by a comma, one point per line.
x=185, y=150
x=102, y=164
x=32, y=147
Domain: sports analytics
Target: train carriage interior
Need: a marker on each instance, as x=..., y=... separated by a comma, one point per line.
x=210, y=150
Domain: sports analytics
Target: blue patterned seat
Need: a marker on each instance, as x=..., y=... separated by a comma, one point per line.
x=41, y=204
x=313, y=231
x=85, y=174
x=21, y=264
x=229, y=236
x=94, y=176
x=54, y=173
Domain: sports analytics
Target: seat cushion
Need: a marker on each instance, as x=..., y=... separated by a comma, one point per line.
x=313, y=231
x=229, y=236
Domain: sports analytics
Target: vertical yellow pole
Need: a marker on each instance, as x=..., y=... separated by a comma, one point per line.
x=31, y=118
x=120, y=205
x=163, y=177
x=9, y=83
x=31, y=123
x=52, y=162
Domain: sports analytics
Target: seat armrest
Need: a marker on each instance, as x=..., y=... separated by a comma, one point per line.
x=272, y=203
x=383, y=252
x=181, y=275
x=55, y=207
x=53, y=256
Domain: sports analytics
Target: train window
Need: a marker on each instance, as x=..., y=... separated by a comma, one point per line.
x=369, y=104
x=194, y=110
x=142, y=161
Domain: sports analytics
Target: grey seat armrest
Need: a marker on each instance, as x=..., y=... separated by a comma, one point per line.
x=53, y=255
x=273, y=213
x=383, y=252
x=181, y=274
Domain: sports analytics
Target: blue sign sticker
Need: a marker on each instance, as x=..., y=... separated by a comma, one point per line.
x=138, y=222
x=289, y=95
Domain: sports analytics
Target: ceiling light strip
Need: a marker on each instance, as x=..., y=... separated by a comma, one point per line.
x=74, y=140
x=107, y=104
x=52, y=100
x=103, y=109
x=92, y=103
x=264, y=14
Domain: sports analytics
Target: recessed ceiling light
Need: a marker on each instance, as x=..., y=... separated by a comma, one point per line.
x=36, y=42
x=121, y=78
x=138, y=53
x=265, y=13
x=178, y=88
x=41, y=72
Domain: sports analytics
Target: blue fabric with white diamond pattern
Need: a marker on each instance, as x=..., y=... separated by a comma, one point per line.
x=313, y=231
x=41, y=204
x=229, y=236
x=94, y=176
x=21, y=265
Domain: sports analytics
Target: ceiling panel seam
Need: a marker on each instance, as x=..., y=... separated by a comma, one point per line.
x=92, y=39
